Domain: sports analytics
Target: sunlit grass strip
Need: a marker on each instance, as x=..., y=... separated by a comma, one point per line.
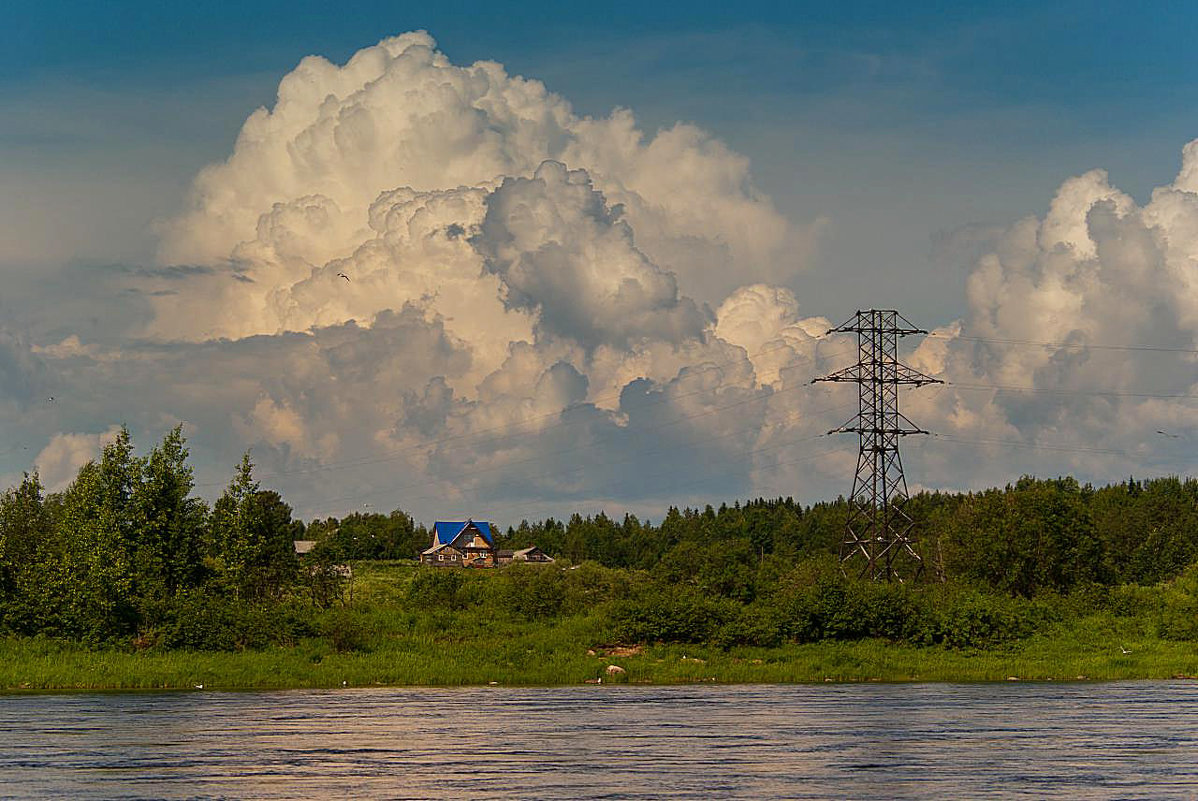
x=531, y=659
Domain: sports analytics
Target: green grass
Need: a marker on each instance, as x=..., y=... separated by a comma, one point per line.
x=389, y=644
x=534, y=655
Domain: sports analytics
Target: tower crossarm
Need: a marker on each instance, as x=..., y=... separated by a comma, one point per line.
x=895, y=324
x=912, y=377
x=865, y=373
x=899, y=432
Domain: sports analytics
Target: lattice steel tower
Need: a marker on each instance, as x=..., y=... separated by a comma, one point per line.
x=878, y=532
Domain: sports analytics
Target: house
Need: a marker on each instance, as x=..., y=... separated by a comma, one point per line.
x=326, y=577
x=461, y=544
x=531, y=554
x=304, y=548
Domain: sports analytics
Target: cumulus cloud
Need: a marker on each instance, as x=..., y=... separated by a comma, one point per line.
x=1095, y=280
x=404, y=255
x=60, y=460
x=435, y=286
x=565, y=255
x=298, y=188
x=21, y=371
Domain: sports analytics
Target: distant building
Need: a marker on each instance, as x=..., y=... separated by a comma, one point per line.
x=530, y=554
x=304, y=550
x=461, y=544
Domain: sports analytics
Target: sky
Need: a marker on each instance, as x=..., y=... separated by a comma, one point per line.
x=587, y=255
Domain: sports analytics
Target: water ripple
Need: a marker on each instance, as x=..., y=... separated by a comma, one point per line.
x=1118, y=740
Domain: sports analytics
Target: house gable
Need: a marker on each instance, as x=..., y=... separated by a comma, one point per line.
x=471, y=538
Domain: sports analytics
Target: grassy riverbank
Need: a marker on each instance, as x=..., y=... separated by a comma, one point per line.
x=126, y=581
x=394, y=630
x=529, y=658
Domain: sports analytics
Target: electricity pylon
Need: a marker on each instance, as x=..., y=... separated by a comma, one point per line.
x=878, y=531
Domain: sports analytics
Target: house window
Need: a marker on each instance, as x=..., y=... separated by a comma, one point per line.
x=440, y=557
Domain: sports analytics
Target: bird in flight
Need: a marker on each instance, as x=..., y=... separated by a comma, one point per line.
x=1167, y=434
x=343, y=275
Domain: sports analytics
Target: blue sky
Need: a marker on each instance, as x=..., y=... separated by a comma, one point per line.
x=904, y=120
x=908, y=135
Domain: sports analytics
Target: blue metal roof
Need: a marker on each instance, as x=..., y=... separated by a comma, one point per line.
x=445, y=531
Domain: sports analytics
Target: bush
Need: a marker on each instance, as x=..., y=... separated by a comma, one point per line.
x=324, y=583
x=1178, y=607
x=590, y=585
x=533, y=592
x=436, y=588
x=678, y=615
x=345, y=630
x=756, y=624
x=836, y=608
x=205, y=621
x=969, y=619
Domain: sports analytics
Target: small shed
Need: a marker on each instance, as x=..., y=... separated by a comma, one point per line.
x=531, y=554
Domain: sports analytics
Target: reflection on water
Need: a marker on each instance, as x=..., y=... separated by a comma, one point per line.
x=1116, y=740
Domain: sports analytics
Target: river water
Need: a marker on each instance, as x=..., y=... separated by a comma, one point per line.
x=1085, y=740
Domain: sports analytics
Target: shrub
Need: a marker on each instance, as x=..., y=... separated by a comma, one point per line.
x=435, y=588
x=837, y=608
x=533, y=592
x=205, y=621
x=679, y=615
x=971, y=619
x=345, y=630
x=1178, y=609
x=756, y=624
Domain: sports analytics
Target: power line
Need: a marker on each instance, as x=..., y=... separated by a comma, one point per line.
x=1014, y=443
x=1095, y=392
x=1074, y=345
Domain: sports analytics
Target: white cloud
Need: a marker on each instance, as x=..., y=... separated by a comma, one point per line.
x=1097, y=271
x=436, y=287
x=399, y=125
x=62, y=457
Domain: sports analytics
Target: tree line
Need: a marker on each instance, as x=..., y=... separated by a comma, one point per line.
x=127, y=553
x=1032, y=536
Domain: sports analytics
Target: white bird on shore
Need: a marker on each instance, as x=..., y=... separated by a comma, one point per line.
x=199, y=686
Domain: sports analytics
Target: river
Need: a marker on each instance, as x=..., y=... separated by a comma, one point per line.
x=1014, y=740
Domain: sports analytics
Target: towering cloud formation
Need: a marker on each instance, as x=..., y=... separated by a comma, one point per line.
x=541, y=265
x=1097, y=279
x=435, y=286
x=401, y=148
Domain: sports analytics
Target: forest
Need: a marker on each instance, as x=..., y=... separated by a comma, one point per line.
x=128, y=558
